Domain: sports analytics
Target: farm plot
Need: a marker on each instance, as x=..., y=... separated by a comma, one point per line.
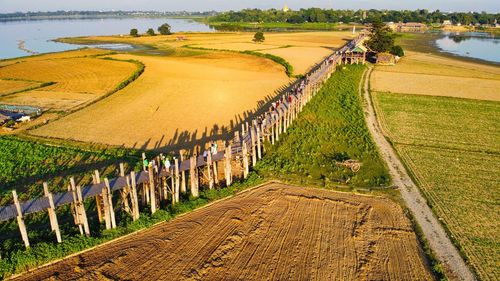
x=241, y=40
x=451, y=147
x=76, y=80
x=177, y=100
x=431, y=75
x=434, y=85
x=12, y=86
x=439, y=121
x=273, y=232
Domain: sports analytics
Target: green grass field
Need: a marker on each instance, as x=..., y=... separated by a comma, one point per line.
x=331, y=128
x=24, y=165
x=452, y=149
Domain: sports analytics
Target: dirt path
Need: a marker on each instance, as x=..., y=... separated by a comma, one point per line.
x=273, y=232
x=454, y=265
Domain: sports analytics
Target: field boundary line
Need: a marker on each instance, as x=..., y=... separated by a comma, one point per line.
x=440, y=75
x=434, y=232
x=246, y=190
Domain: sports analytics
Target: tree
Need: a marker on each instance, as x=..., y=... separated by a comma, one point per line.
x=164, y=29
x=381, y=37
x=397, y=51
x=151, y=32
x=259, y=37
x=134, y=32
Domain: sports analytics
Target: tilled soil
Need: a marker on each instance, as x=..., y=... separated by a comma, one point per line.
x=274, y=232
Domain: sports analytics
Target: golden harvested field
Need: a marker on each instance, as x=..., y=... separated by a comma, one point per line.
x=85, y=52
x=238, y=46
x=302, y=49
x=274, y=232
x=435, y=85
x=303, y=39
x=432, y=75
x=12, y=86
x=451, y=147
x=301, y=58
x=177, y=100
x=77, y=80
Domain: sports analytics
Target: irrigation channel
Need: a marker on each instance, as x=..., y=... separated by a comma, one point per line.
x=157, y=182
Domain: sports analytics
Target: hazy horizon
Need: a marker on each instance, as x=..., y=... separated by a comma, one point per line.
x=9, y=6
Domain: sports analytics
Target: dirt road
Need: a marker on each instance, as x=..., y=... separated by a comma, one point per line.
x=455, y=267
x=274, y=232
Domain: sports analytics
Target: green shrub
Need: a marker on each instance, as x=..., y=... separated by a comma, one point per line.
x=397, y=51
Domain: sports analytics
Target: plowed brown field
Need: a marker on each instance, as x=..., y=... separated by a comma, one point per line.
x=274, y=232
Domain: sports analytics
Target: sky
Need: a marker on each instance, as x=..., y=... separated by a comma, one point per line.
x=7, y=6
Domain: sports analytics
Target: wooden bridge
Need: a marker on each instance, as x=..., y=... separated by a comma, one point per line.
x=157, y=183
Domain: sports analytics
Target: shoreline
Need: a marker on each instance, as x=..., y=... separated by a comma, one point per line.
x=426, y=43
x=418, y=42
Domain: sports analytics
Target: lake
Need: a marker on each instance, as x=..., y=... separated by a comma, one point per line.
x=478, y=45
x=34, y=36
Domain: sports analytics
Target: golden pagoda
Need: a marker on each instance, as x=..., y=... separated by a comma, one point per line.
x=286, y=9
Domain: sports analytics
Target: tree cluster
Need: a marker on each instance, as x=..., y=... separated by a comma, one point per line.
x=382, y=39
x=163, y=29
x=358, y=16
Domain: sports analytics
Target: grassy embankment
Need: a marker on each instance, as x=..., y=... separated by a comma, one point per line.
x=330, y=129
x=451, y=147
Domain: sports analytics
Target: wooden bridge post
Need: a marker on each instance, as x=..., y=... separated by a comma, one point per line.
x=253, y=145
x=245, y=160
x=54, y=224
x=285, y=120
x=20, y=220
x=272, y=128
x=265, y=137
x=125, y=192
x=183, y=174
x=106, y=208
x=227, y=165
x=193, y=175
x=98, y=198
x=111, y=210
x=259, y=147
x=237, y=136
x=152, y=193
x=209, y=170
x=135, y=200
x=176, y=177
x=83, y=213
x=75, y=207
x=144, y=167
x=278, y=125
x=216, y=175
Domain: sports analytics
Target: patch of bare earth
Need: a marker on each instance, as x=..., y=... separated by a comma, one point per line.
x=275, y=232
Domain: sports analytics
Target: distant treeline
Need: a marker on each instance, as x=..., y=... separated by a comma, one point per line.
x=359, y=16
x=100, y=14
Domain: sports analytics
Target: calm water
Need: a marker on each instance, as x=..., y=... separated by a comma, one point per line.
x=477, y=45
x=37, y=34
